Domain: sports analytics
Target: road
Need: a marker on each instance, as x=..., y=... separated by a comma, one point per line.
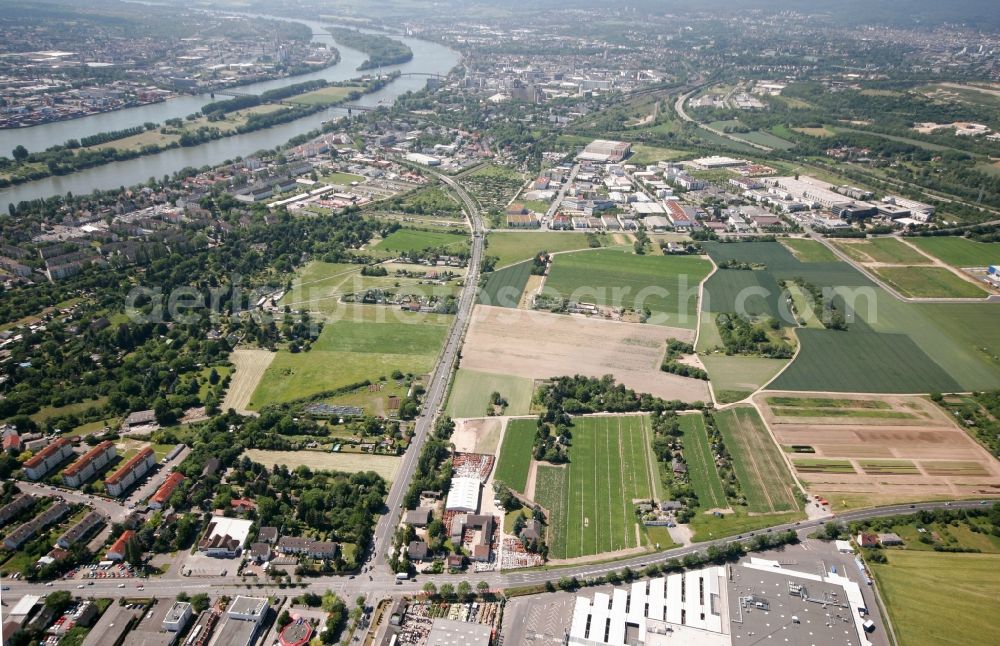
x=383, y=582
x=562, y=193
x=438, y=387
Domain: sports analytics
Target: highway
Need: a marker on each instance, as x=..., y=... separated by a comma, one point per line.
x=438, y=387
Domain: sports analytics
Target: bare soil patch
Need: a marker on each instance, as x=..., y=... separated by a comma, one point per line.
x=480, y=435
x=539, y=345
x=924, y=456
x=249, y=365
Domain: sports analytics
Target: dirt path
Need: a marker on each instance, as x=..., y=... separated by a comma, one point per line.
x=249, y=365
x=529, y=486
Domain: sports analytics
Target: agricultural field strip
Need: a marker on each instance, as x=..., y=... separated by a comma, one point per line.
x=701, y=467
x=765, y=471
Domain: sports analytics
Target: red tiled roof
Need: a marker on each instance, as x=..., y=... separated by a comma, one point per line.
x=119, y=545
x=126, y=468
x=46, y=452
x=81, y=463
x=166, y=489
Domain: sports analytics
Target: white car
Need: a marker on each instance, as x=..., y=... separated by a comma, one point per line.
x=80, y=587
x=121, y=585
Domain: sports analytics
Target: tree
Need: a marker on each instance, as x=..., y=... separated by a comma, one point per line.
x=430, y=589
x=58, y=600
x=199, y=602
x=133, y=552
x=465, y=590
x=284, y=618
x=447, y=590
x=20, y=153
x=482, y=587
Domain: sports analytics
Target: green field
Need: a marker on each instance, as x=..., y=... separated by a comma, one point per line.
x=667, y=285
x=885, y=250
x=765, y=138
x=929, y=282
x=841, y=412
x=342, y=179
x=922, y=588
x=325, y=96
x=827, y=402
x=701, y=465
x=960, y=252
x=891, y=346
x=814, y=465
x=503, y=288
x=889, y=467
x=643, y=155
x=515, y=453
x=610, y=466
x=734, y=378
x=471, y=391
x=351, y=351
x=809, y=250
x=78, y=408
x=759, y=465
x=418, y=240
x=515, y=246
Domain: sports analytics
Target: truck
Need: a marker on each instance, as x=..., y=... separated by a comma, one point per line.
x=403, y=576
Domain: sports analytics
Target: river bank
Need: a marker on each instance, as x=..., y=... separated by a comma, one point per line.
x=429, y=59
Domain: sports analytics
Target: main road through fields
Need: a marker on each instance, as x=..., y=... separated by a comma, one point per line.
x=434, y=400
x=383, y=582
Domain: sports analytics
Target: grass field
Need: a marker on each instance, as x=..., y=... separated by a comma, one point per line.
x=325, y=96
x=471, y=391
x=503, y=288
x=515, y=246
x=667, y=285
x=921, y=588
x=643, y=155
x=734, y=378
x=929, y=282
x=418, y=240
x=351, y=351
x=609, y=468
x=809, y=250
x=759, y=465
x=342, y=179
x=765, y=138
x=701, y=466
x=884, y=250
x=515, y=453
x=78, y=408
x=384, y=465
x=960, y=252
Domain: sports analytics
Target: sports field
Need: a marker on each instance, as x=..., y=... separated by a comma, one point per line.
x=701, y=466
x=471, y=392
x=503, y=288
x=929, y=282
x=418, y=240
x=959, y=252
x=610, y=468
x=515, y=453
x=764, y=477
x=940, y=599
x=352, y=351
x=514, y=246
x=809, y=250
x=667, y=285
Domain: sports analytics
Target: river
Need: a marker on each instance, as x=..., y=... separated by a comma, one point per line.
x=428, y=58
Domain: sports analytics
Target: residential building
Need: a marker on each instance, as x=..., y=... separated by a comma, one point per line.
x=88, y=464
x=15, y=507
x=162, y=496
x=80, y=530
x=127, y=474
x=117, y=550
x=30, y=529
x=307, y=547
x=48, y=458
